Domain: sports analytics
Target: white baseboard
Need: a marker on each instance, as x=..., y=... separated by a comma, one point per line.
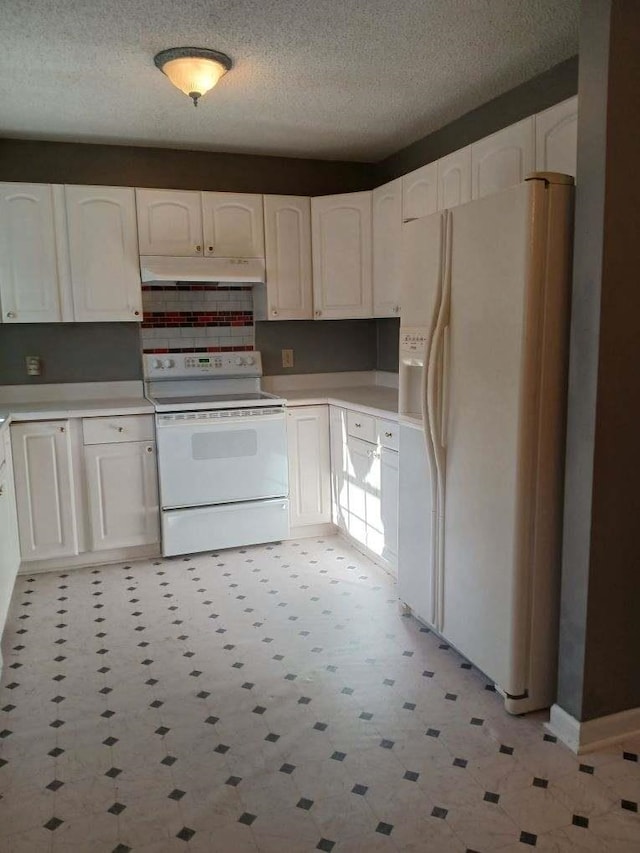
x=91, y=558
x=309, y=531
x=593, y=734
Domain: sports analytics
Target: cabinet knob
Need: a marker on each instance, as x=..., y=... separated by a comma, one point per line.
x=136, y=313
x=198, y=248
x=61, y=429
x=210, y=248
x=388, y=434
x=318, y=313
x=357, y=426
x=396, y=309
x=11, y=315
x=120, y=429
x=1, y=491
x=149, y=449
x=274, y=312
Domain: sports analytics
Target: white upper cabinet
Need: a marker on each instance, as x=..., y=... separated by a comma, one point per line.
x=341, y=232
x=169, y=222
x=503, y=159
x=233, y=225
x=557, y=138
x=387, y=245
x=420, y=192
x=287, y=223
x=103, y=253
x=454, y=179
x=29, y=285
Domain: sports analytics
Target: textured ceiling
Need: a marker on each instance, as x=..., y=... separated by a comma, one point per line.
x=335, y=79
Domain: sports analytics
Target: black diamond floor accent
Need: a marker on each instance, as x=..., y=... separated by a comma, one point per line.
x=272, y=738
x=116, y=808
x=411, y=776
x=506, y=750
x=53, y=823
x=490, y=797
x=259, y=710
x=540, y=783
x=580, y=820
x=221, y=748
x=176, y=794
x=409, y=706
x=203, y=694
x=339, y=756
x=386, y=744
x=587, y=768
x=305, y=804
x=438, y=811
x=156, y=704
x=234, y=781
x=55, y=784
x=629, y=805
x=121, y=848
x=528, y=838
x=384, y=828
x=360, y=789
x=110, y=741
x=56, y=724
x=476, y=721
x=433, y=732
x=630, y=756
x=185, y=834
x=162, y=730
x=55, y=752
x=212, y=720
x=460, y=762
x=288, y=768
x=113, y=772
x=320, y=727
x=326, y=845
x=168, y=760
x=304, y=700
x=247, y=818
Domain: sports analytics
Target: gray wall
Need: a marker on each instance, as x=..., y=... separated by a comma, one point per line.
x=70, y=352
x=600, y=611
x=319, y=346
x=388, y=342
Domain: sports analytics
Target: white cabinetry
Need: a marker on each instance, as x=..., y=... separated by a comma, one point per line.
x=503, y=159
x=29, y=281
x=122, y=492
x=454, y=179
x=557, y=138
x=341, y=231
x=169, y=222
x=287, y=222
x=45, y=494
x=420, y=192
x=9, y=549
x=309, y=466
x=180, y=223
x=387, y=246
x=233, y=225
x=103, y=253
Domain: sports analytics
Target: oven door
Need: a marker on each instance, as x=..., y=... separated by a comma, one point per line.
x=221, y=456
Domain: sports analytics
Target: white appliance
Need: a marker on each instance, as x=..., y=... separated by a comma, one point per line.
x=237, y=271
x=483, y=363
x=222, y=452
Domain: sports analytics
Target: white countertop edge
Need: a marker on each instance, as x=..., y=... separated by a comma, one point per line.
x=376, y=411
x=69, y=391
x=348, y=379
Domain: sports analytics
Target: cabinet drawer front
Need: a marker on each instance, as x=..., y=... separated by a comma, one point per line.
x=361, y=426
x=118, y=428
x=387, y=434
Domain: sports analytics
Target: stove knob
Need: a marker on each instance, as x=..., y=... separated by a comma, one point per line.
x=167, y=362
x=239, y=361
x=251, y=360
x=156, y=364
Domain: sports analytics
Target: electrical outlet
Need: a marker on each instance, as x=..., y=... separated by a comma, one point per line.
x=34, y=365
x=287, y=358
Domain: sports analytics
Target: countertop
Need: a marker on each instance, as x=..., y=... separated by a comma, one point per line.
x=372, y=399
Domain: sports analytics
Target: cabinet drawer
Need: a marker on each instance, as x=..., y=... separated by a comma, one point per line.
x=118, y=428
x=361, y=426
x=387, y=434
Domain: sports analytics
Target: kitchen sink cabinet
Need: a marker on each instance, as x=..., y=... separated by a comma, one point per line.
x=309, y=466
x=104, y=262
x=43, y=462
x=387, y=249
x=341, y=228
x=122, y=494
x=30, y=284
x=287, y=224
x=9, y=548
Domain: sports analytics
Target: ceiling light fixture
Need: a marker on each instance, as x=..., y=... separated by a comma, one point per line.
x=193, y=70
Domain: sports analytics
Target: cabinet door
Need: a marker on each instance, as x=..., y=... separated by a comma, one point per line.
x=287, y=224
x=363, y=489
x=309, y=465
x=503, y=159
x=103, y=253
x=45, y=498
x=9, y=550
x=387, y=246
x=123, y=494
x=420, y=192
x=454, y=179
x=339, y=466
x=341, y=242
x=389, y=505
x=29, y=291
x=233, y=225
x=169, y=222
x=557, y=138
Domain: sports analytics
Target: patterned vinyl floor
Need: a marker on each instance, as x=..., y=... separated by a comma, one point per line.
x=274, y=698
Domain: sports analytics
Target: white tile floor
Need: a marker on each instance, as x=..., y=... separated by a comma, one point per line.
x=273, y=699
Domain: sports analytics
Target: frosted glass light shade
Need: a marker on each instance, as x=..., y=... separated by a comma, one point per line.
x=193, y=70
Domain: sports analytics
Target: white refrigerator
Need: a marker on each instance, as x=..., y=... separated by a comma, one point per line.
x=483, y=366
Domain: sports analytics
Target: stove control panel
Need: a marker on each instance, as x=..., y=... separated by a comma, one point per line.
x=218, y=364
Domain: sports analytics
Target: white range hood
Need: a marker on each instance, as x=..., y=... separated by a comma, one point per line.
x=224, y=270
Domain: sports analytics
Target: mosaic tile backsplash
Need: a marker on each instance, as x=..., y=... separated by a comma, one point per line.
x=197, y=317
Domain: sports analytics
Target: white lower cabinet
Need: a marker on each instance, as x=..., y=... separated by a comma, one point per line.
x=45, y=494
x=365, y=483
x=74, y=501
x=9, y=548
x=309, y=466
x=122, y=492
